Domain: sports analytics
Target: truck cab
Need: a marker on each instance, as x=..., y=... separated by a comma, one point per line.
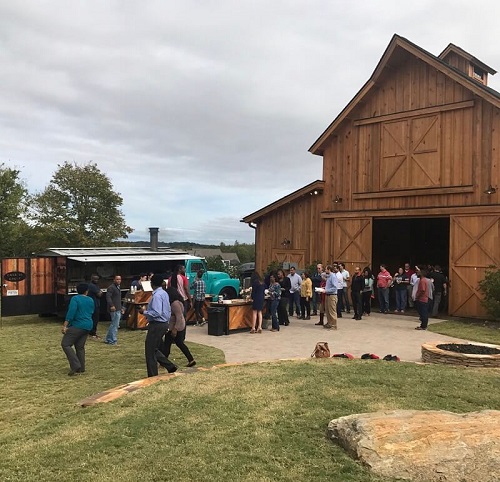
x=217, y=283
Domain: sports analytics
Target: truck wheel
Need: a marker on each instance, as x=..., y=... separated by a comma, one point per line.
x=228, y=293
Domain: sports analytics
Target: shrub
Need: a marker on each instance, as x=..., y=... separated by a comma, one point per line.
x=490, y=288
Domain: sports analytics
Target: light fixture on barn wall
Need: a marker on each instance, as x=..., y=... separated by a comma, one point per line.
x=337, y=199
x=286, y=243
x=490, y=190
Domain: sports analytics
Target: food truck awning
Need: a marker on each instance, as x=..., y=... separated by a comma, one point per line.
x=143, y=257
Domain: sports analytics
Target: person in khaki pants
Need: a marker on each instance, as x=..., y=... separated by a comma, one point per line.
x=331, y=298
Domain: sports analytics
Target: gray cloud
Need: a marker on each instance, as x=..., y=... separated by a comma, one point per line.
x=201, y=112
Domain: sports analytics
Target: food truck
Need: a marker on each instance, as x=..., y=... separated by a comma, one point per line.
x=44, y=284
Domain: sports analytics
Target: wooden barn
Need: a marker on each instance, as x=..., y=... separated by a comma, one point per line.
x=410, y=173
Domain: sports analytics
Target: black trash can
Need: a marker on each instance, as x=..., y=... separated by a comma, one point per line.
x=217, y=321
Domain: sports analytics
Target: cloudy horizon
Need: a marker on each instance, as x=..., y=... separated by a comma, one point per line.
x=201, y=113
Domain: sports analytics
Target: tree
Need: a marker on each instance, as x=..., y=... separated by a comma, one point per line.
x=79, y=207
x=215, y=263
x=490, y=288
x=13, y=201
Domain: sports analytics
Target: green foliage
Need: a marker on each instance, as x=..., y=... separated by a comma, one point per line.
x=215, y=263
x=311, y=269
x=490, y=288
x=79, y=207
x=13, y=201
x=245, y=252
x=273, y=266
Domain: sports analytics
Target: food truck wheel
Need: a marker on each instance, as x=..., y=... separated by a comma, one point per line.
x=228, y=293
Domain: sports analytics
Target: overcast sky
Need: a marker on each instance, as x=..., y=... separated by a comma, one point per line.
x=201, y=112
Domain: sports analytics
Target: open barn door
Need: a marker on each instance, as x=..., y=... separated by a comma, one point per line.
x=352, y=242
x=28, y=286
x=474, y=245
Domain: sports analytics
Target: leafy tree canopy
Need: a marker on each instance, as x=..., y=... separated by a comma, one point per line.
x=13, y=201
x=79, y=207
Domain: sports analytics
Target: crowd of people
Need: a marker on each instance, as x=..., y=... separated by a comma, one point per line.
x=165, y=313
x=331, y=292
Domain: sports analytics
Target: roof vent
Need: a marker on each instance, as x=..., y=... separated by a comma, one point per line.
x=153, y=238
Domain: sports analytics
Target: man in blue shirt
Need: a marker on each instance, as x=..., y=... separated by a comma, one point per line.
x=158, y=315
x=332, y=285
x=76, y=327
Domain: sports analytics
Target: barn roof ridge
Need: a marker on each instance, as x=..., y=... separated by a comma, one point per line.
x=482, y=90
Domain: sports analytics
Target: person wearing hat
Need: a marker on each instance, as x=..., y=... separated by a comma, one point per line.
x=76, y=327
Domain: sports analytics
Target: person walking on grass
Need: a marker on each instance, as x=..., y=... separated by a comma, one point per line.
x=177, y=327
x=258, y=289
x=76, y=327
x=158, y=316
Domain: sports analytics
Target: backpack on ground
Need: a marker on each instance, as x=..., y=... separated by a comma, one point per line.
x=321, y=350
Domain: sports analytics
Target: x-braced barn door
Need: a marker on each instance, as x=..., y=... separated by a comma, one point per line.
x=474, y=245
x=352, y=242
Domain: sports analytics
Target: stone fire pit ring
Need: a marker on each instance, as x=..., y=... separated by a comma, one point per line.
x=432, y=354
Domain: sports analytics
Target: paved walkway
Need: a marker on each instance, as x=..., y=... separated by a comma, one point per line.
x=380, y=334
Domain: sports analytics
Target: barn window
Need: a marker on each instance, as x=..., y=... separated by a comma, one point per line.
x=478, y=74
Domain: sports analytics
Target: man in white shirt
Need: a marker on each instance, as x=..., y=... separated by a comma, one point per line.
x=295, y=281
x=345, y=278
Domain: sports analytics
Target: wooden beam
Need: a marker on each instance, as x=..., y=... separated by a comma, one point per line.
x=414, y=113
x=432, y=191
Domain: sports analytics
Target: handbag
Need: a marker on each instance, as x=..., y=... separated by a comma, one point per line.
x=321, y=350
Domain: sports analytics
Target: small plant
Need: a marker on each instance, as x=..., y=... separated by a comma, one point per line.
x=273, y=267
x=490, y=288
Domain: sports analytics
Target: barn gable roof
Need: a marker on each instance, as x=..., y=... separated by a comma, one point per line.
x=398, y=42
x=315, y=187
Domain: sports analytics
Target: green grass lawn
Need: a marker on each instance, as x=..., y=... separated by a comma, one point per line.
x=259, y=422
x=482, y=331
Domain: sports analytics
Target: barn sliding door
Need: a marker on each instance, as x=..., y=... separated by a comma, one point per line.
x=474, y=245
x=352, y=242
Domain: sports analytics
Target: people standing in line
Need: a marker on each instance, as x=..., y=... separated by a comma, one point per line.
x=331, y=289
x=401, y=283
x=179, y=281
x=137, y=283
x=285, y=284
x=384, y=280
x=76, y=327
x=340, y=290
x=158, y=315
x=357, y=286
x=115, y=310
x=345, y=278
x=295, y=282
x=95, y=293
x=440, y=288
x=177, y=327
x=422, y=299
x=409, y=289
x=305, y=296
x=322, y=300
x=200, y=289
x=258, y=289
x=275, y=297
x=316, y=279
x=367, y=294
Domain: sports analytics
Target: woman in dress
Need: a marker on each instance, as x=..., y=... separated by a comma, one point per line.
x=258, y=288
x=177, y=327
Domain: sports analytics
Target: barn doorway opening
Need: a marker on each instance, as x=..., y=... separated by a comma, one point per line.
x=413, y=240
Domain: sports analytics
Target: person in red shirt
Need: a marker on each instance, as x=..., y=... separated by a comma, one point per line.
x=422, y=300
x=384, y=280
x=179, y=281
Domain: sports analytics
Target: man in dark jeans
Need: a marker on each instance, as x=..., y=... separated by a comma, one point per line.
x=95, y=293
x=440, y=287
x=285, y=284
x=158, y=316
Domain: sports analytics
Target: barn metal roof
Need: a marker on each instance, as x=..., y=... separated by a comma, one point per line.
x=113, y=252
x=133, y=257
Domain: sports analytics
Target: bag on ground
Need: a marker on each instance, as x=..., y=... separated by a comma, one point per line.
x=321, y=350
